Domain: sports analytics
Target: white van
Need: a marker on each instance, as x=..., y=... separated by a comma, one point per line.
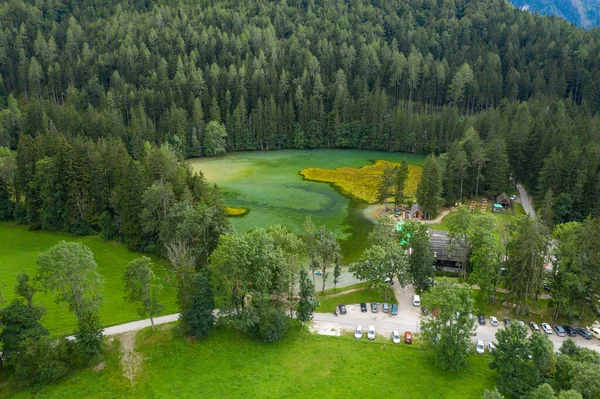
x=416, y=300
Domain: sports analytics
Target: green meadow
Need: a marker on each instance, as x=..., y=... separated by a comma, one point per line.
x=228, y=365
x=19, y=249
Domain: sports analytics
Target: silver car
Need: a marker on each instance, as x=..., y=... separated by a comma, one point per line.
x=546, y=327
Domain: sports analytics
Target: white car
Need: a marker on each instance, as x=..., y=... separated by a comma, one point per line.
x=491, y=347
x=371, y=332
x=358, y=332
x=395, y=337
x=479, y=348
x=416, y=300
x=493, y=321
x=546, y=327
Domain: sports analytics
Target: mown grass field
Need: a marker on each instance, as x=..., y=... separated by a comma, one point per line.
x=228, y=365
x=19, y=249
x=362, y=183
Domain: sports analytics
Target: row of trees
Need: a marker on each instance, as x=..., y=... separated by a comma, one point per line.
x=529, y=368
x=55, y=182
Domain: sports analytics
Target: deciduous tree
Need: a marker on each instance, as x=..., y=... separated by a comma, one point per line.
x=448, y=326
x=215, y=139
x=69, y=270
x=142, y=287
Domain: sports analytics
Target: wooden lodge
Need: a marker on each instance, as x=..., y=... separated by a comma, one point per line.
x=447, y=256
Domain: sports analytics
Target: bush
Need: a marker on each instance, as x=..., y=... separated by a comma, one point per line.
x=42, y=361
x=271, y=325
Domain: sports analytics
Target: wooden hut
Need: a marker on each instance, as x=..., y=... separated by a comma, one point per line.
x=416, y=212
x=503, y=200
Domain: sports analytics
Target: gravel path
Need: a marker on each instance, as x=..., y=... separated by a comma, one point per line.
x=526, y=201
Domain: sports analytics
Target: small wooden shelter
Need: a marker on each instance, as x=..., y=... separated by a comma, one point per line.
x=504, y=200
x=416, y=212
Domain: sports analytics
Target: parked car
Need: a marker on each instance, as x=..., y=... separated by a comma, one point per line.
x=570, y=330
x=395, y=337
x=358, y=332
x=481, y=319
x=560, y=331
x=546, y=327
x=507, y=323
x=534, y=327
x=371, y=332
x=521, y=322
x=479, y=348
x=408, y=337
x=513, y=198
x=493, y=321
x=583, y=332
x=547, y=288
x=491, y=347
x=416, y=300
x=424, y=311
x=389, y=281
x=363, y=307
x=394, y=309
x=342, y=308
x=374, y=307
x=386, y=307
x=595, y=332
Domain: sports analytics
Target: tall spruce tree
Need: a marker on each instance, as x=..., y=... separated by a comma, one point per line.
x=308, y=302
x=429, y=191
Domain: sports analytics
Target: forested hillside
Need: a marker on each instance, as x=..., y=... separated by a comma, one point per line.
x=395, y=75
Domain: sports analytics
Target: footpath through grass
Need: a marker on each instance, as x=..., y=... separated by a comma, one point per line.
x=227, y=365
x=19, y=249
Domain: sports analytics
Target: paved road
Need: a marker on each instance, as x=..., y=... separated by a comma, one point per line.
x=136, y=325
x=406, y=320
x=526, y=201
x=384, y=323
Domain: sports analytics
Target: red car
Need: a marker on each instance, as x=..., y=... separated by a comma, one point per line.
x=408, y=337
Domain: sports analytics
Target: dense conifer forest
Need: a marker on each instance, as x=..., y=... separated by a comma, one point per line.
x=80, y=77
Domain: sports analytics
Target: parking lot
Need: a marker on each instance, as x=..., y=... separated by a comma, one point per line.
x=408, y=320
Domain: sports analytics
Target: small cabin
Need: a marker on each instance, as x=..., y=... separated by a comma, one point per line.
x=416, y=212
x=503, y=200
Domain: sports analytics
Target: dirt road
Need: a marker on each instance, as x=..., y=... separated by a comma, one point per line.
x=526, y=201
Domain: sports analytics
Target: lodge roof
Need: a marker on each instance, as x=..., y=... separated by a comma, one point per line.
x=443, y=248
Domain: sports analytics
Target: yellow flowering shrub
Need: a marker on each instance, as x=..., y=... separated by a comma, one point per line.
x=362, y=183
x=236, y=211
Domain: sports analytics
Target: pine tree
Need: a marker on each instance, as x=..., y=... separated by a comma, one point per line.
x=198, y=319
x=429, y=191
x=308, y=303
x=400, y=181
